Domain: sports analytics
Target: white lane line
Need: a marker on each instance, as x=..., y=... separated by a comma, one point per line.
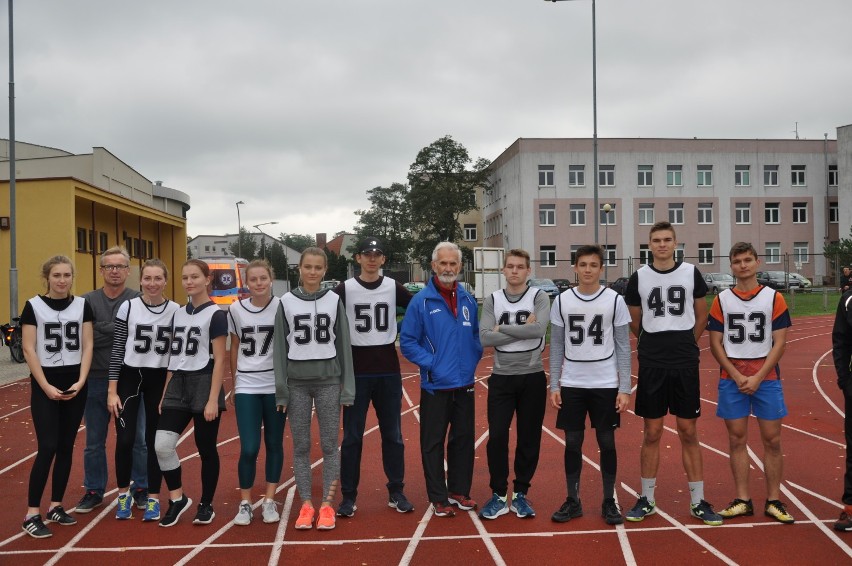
x=275, y=554
x=417, y=537
x=6, y=416
x=816, y=495
x=819, y=387
x=486, y=538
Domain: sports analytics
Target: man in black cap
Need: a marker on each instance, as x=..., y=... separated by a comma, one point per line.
x=371, y=301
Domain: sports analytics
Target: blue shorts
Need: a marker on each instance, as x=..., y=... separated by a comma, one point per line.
x=766, y=403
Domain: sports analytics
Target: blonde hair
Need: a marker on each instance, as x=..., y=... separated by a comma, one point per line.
x=313, y=250
x=55, y=260
x=154, y=262
x=115, y=250
x=261, y=264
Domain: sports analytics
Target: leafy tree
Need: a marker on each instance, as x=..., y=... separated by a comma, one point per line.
x=443, y=187
x=338, y=266
x=840, y=253
x=389, y=219
x=298, y=241
x=280, y=263
x=246, y=245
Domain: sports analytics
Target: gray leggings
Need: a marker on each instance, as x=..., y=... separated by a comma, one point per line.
x=326, y=399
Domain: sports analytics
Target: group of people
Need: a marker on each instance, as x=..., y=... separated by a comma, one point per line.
x=154, y=367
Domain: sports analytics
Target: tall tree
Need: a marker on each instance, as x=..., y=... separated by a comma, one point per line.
x=298, y=241
x=840, y=253
x=443, y=181
x=245, y=245
x=389, y=219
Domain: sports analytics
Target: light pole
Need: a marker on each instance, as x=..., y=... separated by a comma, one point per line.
x=263, y=236
x=606, y=208
x=594, y=109
x=239, y=229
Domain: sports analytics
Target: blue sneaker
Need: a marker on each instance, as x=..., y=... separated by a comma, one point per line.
x=704, y=511
x=642, y=509
x=521, y=506
x=495, y=507
x=124, y=510
x=152, y=510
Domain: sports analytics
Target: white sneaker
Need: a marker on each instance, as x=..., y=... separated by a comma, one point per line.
x=270, y=512
x=245, y=515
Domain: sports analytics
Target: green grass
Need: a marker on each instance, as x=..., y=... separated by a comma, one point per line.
x=807, y=304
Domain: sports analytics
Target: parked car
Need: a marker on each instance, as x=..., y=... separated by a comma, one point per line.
x=330, y=284
x=619, y=285
x=562, y=284
x=717, y=282
x=546, y=285
x=778, y=280
x=804, y=281
x=415, y=286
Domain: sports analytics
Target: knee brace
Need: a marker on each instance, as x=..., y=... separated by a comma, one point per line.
x=165, y=445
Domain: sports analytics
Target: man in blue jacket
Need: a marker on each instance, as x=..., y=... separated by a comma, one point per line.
x=440, y=333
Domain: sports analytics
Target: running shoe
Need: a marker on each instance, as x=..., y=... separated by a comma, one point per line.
x=306, y=517
x=244, y=515
x=175, y=510
x=124, y=509
x=152, y=510
x=89, y=501
x=204, y=515
x=443, y=509
x=58, y=515
x=642, y=509
x=463, y=502
x=738, y=508
x=140, y=497
x=844, y=523
x=326, y=520
x=571, y=509
x=778, y=511
x=495, y=507
x=400, y=502
x=704, y=511
x=36, y=528
x=270, y=511
x=521, y=506
x=610, y=512
x=347, y=508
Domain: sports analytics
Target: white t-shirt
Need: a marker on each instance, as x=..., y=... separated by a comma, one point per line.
x=254, y=327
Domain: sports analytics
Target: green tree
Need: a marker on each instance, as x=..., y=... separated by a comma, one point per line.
x=245, y=245
x=298, y=241
x=839, y=254
x=389, y=219
x=338, y=266
x=443, y=181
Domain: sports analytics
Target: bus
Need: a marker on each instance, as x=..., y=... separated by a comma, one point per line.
x=229, y=279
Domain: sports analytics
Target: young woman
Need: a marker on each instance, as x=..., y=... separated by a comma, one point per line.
x=137, y=371
x=193, y=393
x=251, y=323
x=57, y=335
x=313, y=368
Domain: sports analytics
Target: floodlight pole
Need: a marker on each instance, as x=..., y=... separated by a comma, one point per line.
x=13, y=239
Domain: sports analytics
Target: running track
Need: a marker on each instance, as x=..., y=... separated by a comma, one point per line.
x=812, y=441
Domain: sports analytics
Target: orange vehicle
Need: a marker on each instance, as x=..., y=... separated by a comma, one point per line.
x=229, y=277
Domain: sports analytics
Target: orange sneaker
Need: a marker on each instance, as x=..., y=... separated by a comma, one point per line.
x=306, y=517
x=326, y=518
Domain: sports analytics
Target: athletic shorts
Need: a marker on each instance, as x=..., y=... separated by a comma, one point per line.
x=666, y=390
x=598, y=403
x=766, y=403
x=190, y=392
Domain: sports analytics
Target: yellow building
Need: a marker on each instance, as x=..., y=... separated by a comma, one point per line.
x=80, y=205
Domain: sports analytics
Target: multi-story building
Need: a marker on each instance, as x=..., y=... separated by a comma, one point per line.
x=781, y=195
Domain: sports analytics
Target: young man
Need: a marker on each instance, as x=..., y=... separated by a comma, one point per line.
x=371, y=301
x=514, y=321
x=841, y=338
x=748, y=328
x=669, y=314
x=589, y=373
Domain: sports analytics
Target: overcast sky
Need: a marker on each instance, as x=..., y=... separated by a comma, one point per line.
x=298, y=108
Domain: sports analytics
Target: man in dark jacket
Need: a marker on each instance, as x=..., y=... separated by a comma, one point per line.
x=440, y=333
x=841, y=338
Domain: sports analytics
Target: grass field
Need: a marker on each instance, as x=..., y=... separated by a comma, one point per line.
x=818, y=301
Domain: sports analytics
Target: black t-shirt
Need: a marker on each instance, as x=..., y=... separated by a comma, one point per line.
x=28, y=317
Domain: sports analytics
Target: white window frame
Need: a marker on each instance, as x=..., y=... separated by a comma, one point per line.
x=680, y=252
x=646, y=214
x=546, y=175
x=742, y=213
x=705, y=213
x=576, y=176
x=470, y=232
x=797, y=175
x=770, y=175
x=610, y=254
x=676, y=213
x=800, y=213
x=705, y=254
x=547, y=256
x=607, y=218
x=772, y=252
x=546, y=214
x=674, y=175
x=645, y=175
x=705, y=176
x=606, y=175
x=772, y=213
x=801, y=252
x=833, y=213
x=574, y=249
x=832, y=176
x=742, y=175
x=577, y=216
x=644, y=254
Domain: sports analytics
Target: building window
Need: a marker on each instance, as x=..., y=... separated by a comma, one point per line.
x=470, y=232
x=646, y=176
x=742, y=213
x=150, y=249
x=800, y=213
x=705, y=254
x=770, y=175
x=576, y=176
x=574, y=249
x=609, y=255
x=773, y=252
x=705, y=213
x=676, y=213
x=578, y=216
x=742, y=175
x=674, y=175
x=644, y=254
x=772, y=213
x=81, y=239
x=833, y=213
x=547, y=256
x=93, y=241
x=800, y=252
x=547, y=214
x=678, y=255
x=607, y=218
x=606, y=175
x=797, y=175
x=646, y=213
x=103, y=240
x=705, y=175
x=832, y=175
x=206, y=248
x=545, y=175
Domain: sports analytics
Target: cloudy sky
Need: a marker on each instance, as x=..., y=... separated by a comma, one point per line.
x=299, y=107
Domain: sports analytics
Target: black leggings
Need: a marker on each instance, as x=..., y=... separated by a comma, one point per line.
x=206, y=432
x=56, y=424
x=135, y=384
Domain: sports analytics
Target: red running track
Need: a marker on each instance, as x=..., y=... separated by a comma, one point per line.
x=812, y=441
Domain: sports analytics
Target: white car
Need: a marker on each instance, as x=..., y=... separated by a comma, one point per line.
x=717, y=282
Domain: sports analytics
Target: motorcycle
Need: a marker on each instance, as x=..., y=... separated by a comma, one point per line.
x=13, y=337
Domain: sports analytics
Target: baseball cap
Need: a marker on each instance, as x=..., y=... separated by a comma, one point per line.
x=370, y=244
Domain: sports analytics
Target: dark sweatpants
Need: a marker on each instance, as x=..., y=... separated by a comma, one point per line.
x=439, y=411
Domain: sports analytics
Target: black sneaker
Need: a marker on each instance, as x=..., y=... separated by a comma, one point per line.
x=844, y=523
x=58, y=515
x=610, y=512
x=571, y=509
x=204, y=515
x=400, y=502
x=35, y=528
x=140, y=497
x=90, y=500
x=176, y=509
x=347, y=508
